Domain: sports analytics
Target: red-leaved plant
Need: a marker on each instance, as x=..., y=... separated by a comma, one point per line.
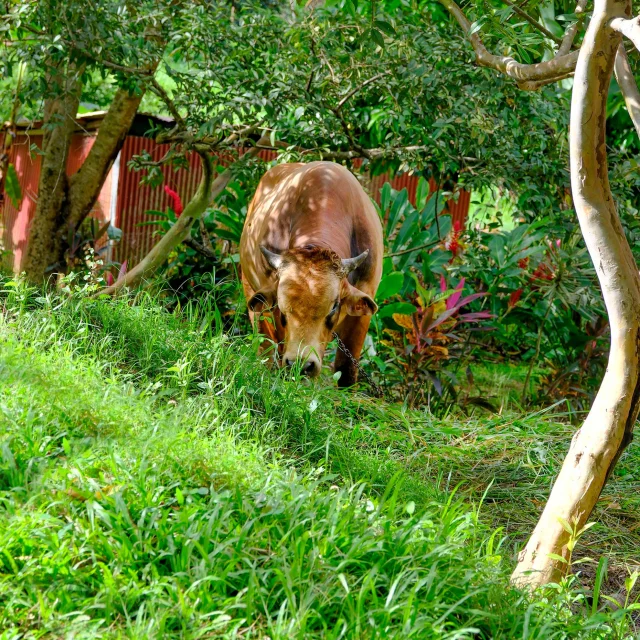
x=545, y=271
x=427, y=336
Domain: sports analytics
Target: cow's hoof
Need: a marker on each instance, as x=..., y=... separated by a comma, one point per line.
x=347, y=379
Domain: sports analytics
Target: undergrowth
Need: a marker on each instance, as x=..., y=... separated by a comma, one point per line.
x=158, y=481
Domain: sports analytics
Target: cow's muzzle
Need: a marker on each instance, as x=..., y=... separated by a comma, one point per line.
x=309, y=367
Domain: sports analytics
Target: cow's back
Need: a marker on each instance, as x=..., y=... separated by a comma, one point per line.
x=316, y=203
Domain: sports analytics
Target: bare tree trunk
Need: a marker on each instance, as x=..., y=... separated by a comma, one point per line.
x=63, y=203
x=45, y=247
x=628, y=86
x=606, y=432
x=86, y=183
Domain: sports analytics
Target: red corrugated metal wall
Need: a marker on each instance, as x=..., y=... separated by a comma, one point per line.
x=16, y=222
x=457, y=207
x=134, y=200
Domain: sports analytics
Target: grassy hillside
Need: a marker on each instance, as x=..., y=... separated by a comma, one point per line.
x=157, y=481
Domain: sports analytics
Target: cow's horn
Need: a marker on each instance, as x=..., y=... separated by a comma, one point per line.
x=349, y=264
x=274, y=259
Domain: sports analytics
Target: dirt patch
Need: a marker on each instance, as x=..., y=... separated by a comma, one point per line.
x=613, y=586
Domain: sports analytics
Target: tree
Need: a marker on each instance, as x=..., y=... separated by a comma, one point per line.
x=318, y=91
x=127, y=47
x=62, y=45
x=318, y=88
x=608, y=428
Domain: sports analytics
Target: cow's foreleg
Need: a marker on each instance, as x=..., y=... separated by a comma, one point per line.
x=352, y=332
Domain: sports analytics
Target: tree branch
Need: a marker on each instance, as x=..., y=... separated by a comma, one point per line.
x=524, y=74
x=359, y=88
x=209, y=142
x=533, y=22
x=116, y=67
x=412, y=249
x=629, y=28
x=371, y=154
x=200, y=248
x=572, y=31
x=628, y=86
x=164, y=96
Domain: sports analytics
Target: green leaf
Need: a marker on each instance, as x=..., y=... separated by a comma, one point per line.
x=377, y=37
x=566, y=526
x=422, y=193
x=630, y=582
x=159, y=214
x=601, y=572
x=385, y=27
x=12, y=186
x=385, y=197
x=399, y=204
x=475, y=27
x=409, y=227
x=587, y=527
x=555, y=556
x=404, y=308
x=390, y=285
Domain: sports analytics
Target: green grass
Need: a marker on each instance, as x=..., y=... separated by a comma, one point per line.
x=158, y=481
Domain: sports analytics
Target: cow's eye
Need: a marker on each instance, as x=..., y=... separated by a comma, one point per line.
x=334, y=309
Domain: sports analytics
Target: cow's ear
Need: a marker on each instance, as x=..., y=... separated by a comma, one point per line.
x=358, y=303
x=263, y=299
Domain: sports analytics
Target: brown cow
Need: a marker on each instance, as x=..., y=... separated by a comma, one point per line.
x=311, y=251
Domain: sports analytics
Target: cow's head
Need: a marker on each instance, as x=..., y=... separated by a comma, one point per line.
x=313, y=295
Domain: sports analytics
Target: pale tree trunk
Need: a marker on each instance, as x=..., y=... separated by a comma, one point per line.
x=608, y=428
x=628, y=86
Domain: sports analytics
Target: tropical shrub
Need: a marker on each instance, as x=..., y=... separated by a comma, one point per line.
x=419, y=326
x=428, y=338
x=533, y=286
x=544, y=297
